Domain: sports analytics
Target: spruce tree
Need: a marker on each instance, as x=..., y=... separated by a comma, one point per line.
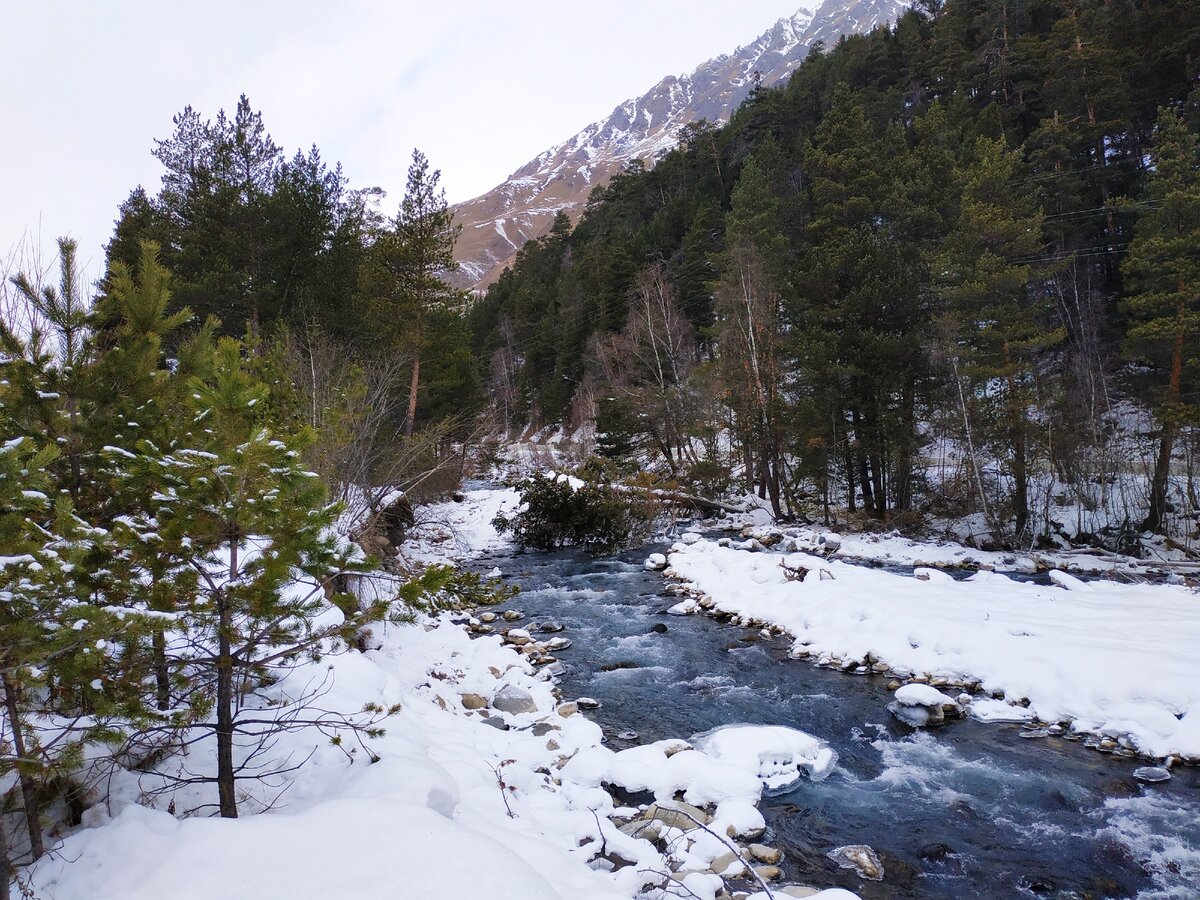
x=1163, y=267
x=984, y=271
x=404, y=279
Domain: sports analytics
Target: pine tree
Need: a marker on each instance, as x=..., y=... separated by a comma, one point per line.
x=405, y=276
x=254, y=564
x=985, y=270
x=1163, y=266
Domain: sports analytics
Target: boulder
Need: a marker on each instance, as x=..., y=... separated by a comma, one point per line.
x=859, y=857
x=764, y=854
x=514, y=700
x=474, y=701
x=655, y=562
x=677, y=814
x=921, y=705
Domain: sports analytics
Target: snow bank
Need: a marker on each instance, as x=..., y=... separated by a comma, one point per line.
x=1114, y=659
x=429, y=814
x=450, y=530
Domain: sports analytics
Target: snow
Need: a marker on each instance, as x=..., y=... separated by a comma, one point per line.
x=443, y=806
x=921, y=695
x=990, y=710
x=1112, y=659
x=778, y=756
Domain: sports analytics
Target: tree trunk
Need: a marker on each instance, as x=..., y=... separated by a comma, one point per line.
x=162, y=675
x=1020, y=467
x=29, y=791
x=410, y=420
x=225, y=776
x=1162, y=465
x=6, y=866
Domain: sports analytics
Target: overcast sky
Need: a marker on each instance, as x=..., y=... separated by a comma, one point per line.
x=481, y=87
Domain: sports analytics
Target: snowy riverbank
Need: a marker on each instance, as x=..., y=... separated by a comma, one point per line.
x=1117, y=661
x=484, y=786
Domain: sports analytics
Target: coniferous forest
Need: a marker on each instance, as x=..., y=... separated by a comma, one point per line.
x=944, y=281
x=946, y=271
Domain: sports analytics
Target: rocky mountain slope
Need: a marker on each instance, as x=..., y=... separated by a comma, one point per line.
x=496, y=224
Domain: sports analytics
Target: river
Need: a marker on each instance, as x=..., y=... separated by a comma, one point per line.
x=966, y=810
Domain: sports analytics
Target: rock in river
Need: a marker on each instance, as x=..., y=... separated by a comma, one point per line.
x=1152, y=774
x=859, y=857
x=921, y=705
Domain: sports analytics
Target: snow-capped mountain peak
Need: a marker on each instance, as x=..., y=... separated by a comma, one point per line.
x=496, y=224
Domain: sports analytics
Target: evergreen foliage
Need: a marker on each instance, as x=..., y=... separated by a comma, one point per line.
x=556, y=513
x=916, y=233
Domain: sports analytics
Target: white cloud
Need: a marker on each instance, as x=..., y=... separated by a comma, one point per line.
x=480, y=87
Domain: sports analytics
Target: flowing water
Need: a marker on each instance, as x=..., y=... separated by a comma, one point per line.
x=966, y=810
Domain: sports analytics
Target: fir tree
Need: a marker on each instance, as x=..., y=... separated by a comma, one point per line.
x=1163, y=266
x=985, y=269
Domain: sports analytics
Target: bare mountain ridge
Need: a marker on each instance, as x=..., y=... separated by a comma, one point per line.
x=496, y=224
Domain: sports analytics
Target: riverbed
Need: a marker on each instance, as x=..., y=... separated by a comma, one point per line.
x=968, y=809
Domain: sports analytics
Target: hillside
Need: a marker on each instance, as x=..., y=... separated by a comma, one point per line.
x=496, y=224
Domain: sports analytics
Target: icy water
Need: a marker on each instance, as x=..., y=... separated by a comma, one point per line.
x=967, y=810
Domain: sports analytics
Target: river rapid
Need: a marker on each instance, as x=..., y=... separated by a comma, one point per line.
x=965, y=810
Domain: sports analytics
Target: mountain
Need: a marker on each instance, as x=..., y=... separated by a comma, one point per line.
x=496, y=224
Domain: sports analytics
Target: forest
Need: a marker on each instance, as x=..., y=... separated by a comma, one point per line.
x=948, y=272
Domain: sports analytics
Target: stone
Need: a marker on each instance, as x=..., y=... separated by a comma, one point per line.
x=541, y=729
x=628, y=736
x=474, y=701
x=587, y=703
x=518, y=636
x=1152, y=774
x=690, y=537
x=934, y=852
x=567, y=709
x=764, y=854
x=511, y=615
x=768, y=873
x=659, y=627
x=496, y=723
x=677, y=814
x=721, y=865
x=551, y=627
x=859, y=857
x=514, y=700
x=796, y=890
x=556, y=644
x=655, y=562
x=646, y=829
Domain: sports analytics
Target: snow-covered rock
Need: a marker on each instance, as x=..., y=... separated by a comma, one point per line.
x=655, y=562
x=778, y=756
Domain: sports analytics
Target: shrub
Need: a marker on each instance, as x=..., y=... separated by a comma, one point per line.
x=558, y=512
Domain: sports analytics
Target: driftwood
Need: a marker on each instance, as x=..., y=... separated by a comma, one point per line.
x=1050, y=561
x=701, y=503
